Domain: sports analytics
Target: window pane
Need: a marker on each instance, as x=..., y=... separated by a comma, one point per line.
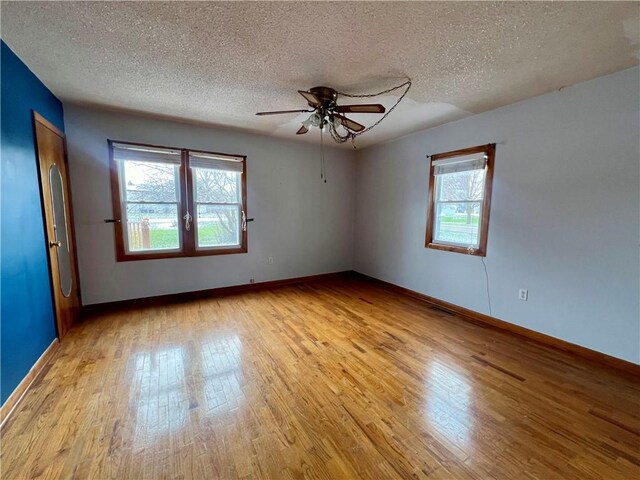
x=458, y=223
x=150, y=182
x=152, y=226
x=467, y=185
x=218, y=225
x=216, y=186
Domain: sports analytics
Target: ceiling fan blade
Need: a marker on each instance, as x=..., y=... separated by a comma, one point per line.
x=311, y=98
x=349, y=124
x=282, y=111
x=302, y=130
x=366, y=108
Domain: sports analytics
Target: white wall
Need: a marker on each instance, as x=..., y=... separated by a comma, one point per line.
x=306, y=225
x=565, y=215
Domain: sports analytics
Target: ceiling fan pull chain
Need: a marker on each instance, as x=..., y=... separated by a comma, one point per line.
x=323, y=169
x=321, y=156
x=324, y=166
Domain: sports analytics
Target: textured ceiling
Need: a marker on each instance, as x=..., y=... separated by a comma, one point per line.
x=219, y=63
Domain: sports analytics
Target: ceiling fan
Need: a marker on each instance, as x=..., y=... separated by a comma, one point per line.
x=325, y=110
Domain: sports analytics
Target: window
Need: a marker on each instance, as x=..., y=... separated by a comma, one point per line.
x=171, y=202
x=460, y=200
x=217, y=194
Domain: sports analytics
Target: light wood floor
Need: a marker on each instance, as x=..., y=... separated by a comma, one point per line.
x=334, y=380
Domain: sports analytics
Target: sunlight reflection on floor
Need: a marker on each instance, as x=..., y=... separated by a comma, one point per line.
x=447, y=404
x=166, y=387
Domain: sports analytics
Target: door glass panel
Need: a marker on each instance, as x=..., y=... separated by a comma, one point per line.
x=60, y=229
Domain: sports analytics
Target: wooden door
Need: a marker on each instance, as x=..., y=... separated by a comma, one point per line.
x=60, y=240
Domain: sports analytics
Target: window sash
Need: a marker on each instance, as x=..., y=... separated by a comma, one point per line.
x=222, y=246
x=194, y=186
x=216, y=163
x=439, y=180
x=437, y=226
x=121, y=159
x=150, y=251
x=122, y=178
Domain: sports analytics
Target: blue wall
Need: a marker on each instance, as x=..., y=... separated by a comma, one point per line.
x=27, y=321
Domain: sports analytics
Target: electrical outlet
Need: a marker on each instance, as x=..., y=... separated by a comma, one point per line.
x=252, y=280
x=523, y=294
x=270, y=261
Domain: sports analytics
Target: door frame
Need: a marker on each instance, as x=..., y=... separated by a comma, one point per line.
x=39, y=119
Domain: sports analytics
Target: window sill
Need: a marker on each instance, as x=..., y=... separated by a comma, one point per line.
x=217, y=251
x=453, y=248
x=134, y=257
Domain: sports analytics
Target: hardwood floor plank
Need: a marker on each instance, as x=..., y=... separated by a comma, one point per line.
x=327, y=380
